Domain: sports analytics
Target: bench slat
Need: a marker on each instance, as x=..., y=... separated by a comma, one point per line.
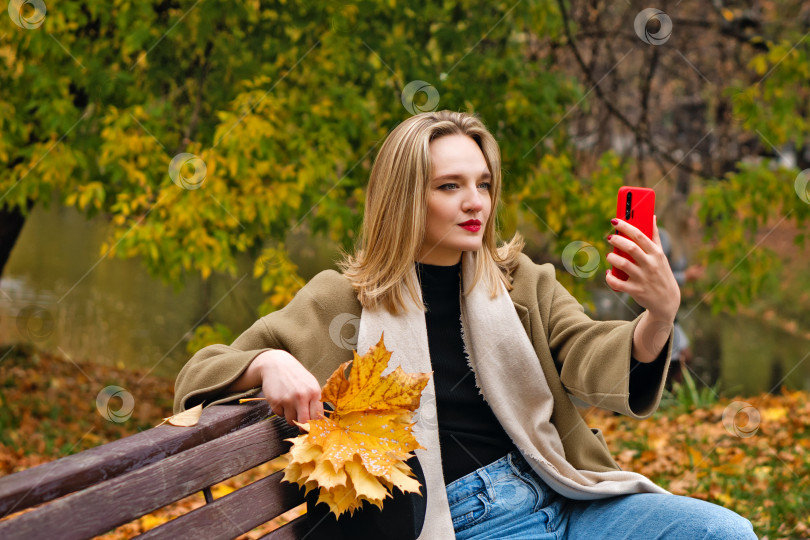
x=235, y=513
x=297, y=529
x=109, y=504
x=49, y=481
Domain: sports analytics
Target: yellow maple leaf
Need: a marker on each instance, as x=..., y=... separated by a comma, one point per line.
x=358, y=453
x=379, y=439
x=368, y=390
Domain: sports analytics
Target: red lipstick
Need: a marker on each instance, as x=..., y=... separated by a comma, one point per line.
x=472, y=225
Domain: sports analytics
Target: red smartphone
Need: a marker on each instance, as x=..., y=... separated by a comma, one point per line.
x=636, y=205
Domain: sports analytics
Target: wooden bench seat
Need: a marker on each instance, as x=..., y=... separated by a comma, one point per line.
x=90, y=493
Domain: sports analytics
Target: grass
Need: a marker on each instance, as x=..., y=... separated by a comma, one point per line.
x=688, y=395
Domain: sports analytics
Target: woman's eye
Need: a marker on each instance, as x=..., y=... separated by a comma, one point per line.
x=488, y=184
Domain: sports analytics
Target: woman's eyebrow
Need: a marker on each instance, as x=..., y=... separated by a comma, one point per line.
x=454, y=176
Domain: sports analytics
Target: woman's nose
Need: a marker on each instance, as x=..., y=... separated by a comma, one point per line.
x=473, y=202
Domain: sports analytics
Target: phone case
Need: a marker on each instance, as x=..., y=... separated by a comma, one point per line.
x=638, y=211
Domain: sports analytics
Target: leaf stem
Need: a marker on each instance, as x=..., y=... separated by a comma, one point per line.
x=326, y=413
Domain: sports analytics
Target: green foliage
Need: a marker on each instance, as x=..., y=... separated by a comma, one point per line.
x=776, y=106
x=686, y=397
x=286, y=104
x=757, y=196
x=279, y=278
x=554, y=195
x=206, y=334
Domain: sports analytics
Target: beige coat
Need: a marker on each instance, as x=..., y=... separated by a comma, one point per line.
x=588, y=359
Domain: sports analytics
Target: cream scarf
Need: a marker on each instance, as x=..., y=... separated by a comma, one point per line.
x=508, y=374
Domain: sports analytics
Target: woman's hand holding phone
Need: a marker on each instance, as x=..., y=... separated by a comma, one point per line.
x=650, y=280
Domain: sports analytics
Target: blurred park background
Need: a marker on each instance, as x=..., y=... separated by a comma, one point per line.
x=172, y=170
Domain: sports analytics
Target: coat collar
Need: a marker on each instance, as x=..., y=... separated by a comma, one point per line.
x=524, y=316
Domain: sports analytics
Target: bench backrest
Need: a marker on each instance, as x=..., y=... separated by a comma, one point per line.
x=101, y=488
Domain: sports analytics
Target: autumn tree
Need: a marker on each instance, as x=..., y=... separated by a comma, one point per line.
x=708, y=102
x=209, y=129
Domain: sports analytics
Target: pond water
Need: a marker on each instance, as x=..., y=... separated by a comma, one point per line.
x=739, y=354
x=60, y=293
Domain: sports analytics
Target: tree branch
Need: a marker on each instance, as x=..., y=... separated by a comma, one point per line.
x=195, y=113
x=613, y=110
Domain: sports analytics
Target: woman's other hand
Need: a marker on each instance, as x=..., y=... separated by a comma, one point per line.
x=650, y=280
x=291, y=390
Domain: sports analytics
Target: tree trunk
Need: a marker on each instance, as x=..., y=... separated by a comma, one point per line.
x=11, y=223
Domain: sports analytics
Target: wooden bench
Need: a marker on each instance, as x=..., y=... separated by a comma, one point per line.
x=92, y=492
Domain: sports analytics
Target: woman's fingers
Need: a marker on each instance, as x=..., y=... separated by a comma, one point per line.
x=291, y=389
x=315, y=409
x=304, y=409
x=277, y=408
x=623, y=264
x=656, y=237
x=628, y=246
x=284, y=410
x=638, y=238
x=290, y=415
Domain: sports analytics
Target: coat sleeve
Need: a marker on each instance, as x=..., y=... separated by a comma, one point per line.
x=300, y=328
x=213, y=368
x=594, y=358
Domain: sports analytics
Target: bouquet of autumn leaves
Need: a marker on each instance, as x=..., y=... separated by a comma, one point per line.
x=360, y=449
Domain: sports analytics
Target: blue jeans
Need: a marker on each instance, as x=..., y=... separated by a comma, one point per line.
x=506, y=499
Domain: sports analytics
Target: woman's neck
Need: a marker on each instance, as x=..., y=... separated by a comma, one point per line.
x=438, y=276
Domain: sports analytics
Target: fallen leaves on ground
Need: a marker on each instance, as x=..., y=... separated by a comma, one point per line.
x=358, y=453
x=48, y=410
x=48, y=406
x=764, y=476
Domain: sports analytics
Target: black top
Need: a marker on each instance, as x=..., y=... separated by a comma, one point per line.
x=470, y=434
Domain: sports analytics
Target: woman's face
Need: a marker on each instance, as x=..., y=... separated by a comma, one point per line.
x=459, y=191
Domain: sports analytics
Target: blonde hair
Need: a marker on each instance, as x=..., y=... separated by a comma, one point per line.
x=396, y=210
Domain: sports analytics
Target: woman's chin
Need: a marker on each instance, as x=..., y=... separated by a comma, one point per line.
x=467, y=247
x=473, y=245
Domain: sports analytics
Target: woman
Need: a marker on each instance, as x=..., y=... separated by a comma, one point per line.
x=507, y=453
